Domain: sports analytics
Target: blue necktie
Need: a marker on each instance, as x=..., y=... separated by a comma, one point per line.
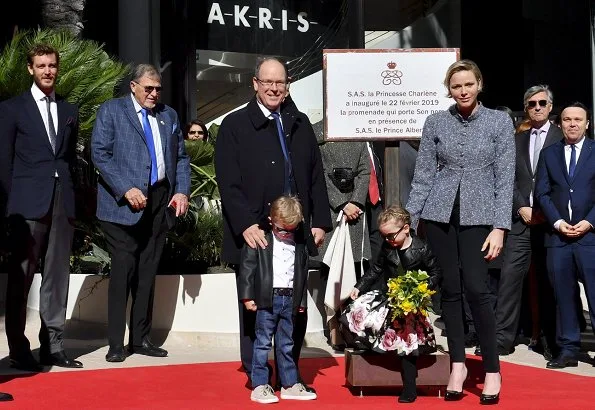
x=572, y=164
x=288, y=168
x=150, y=144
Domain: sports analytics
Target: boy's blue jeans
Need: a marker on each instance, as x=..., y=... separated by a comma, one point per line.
x=278, y=322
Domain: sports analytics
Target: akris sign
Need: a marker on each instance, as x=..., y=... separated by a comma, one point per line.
x=258, y=17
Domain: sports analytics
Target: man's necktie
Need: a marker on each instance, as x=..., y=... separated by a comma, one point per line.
x=288, y=168
x=572, y=164
x=536, y=149
x=373, y=190
x=51, y=129
x=150, y=144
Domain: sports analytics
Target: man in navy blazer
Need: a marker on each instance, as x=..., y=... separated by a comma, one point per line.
x=38, y=132
x=144, y=178
x=565, y=191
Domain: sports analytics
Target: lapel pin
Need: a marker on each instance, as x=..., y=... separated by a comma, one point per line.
x=162, y=123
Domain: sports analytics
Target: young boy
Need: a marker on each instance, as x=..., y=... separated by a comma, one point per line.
x=402, y=251
x=272, y=282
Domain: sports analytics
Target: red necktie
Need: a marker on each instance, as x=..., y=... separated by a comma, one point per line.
x=373, y=190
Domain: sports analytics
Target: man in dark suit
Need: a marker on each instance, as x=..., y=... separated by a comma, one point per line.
x=524, y=244
x=265, y=150
x=144, y=177
x=565, y=191
x=38, y=132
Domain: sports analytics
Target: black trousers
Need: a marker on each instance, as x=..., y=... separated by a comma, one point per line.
x=48, y=239
x=520, y=252
x=247, y=334
x=409, y=373
x=135, y=254
x=455, y=245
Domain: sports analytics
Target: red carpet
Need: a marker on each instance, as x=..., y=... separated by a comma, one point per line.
x=222, y=386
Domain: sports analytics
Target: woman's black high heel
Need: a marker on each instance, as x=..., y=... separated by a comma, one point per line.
x=489, y=399
x=453, y=395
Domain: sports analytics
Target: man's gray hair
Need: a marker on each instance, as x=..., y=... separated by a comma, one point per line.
x=538, y=89
x=148, y=70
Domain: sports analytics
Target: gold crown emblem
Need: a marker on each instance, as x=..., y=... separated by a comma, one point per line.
x=391, y=65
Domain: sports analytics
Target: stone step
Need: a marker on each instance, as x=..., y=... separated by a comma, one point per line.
x=369, y=369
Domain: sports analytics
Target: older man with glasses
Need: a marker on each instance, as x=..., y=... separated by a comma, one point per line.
x=144, y=183
x=524, y=245
x=265, y=150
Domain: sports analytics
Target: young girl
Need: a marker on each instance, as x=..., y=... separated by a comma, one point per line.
x=402, y=251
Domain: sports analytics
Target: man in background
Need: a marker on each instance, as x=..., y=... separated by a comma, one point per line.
x=38, y=133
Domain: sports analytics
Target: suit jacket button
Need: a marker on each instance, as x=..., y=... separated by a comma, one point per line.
x=145, y=184
x=148, y=167
x=571, y=190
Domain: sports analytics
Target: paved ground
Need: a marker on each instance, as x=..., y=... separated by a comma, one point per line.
x=87, y=342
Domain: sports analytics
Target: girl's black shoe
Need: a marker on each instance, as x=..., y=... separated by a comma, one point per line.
x=407, y=398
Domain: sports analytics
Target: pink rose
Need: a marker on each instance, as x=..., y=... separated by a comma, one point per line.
x=390, y=340
x=357, y=319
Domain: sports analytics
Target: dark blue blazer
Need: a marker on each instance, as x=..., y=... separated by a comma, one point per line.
x=120, y=153
x=27, y=162
x=554, y=188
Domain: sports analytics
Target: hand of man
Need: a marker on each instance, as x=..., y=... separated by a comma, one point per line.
x=526, y=212
x=318, y=235
x=354, y=293
x=581, y=228
x=566, y=229
x=250, y=305
x=136, y=199
x=180, y=203
x=254, y=236
x=352, y=211
x=494, y=244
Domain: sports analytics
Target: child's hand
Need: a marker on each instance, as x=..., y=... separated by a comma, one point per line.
x=354, y=293
x=250, y=305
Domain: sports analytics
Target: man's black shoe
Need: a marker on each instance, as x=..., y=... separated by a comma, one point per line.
x=115, y=354
x=25, y=362
x=59, y=359
x=6, y=397
x=148, y=349
x=562, y=362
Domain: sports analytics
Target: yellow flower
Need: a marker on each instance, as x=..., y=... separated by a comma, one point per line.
x=422, y=287
x=407, y=306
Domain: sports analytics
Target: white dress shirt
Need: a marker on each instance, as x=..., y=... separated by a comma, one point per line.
x=39, y=97
x=283, y=262
x=267, y=112
x=542, y=132
x=156, y=137
x=567, y=152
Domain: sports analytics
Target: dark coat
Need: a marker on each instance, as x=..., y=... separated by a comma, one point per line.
x=255, y=281
x=389, y=265
x=554, y=189
x=250, y=172
x=524, y=178
x=28, y=163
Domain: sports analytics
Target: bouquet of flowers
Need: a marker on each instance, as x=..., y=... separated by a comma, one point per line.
x=397, y=321
x=409, y=300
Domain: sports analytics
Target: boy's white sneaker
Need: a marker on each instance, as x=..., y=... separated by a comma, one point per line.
x=264, y=394
x=297, y=392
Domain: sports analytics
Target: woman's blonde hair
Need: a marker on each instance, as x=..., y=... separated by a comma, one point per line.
x=462, y=65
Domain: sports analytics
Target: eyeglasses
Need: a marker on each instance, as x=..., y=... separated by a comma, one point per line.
x=533, y=104
x=196, y=132
x=283, y=231
x=269, y=84
x=392, y=236
x=149, y=88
